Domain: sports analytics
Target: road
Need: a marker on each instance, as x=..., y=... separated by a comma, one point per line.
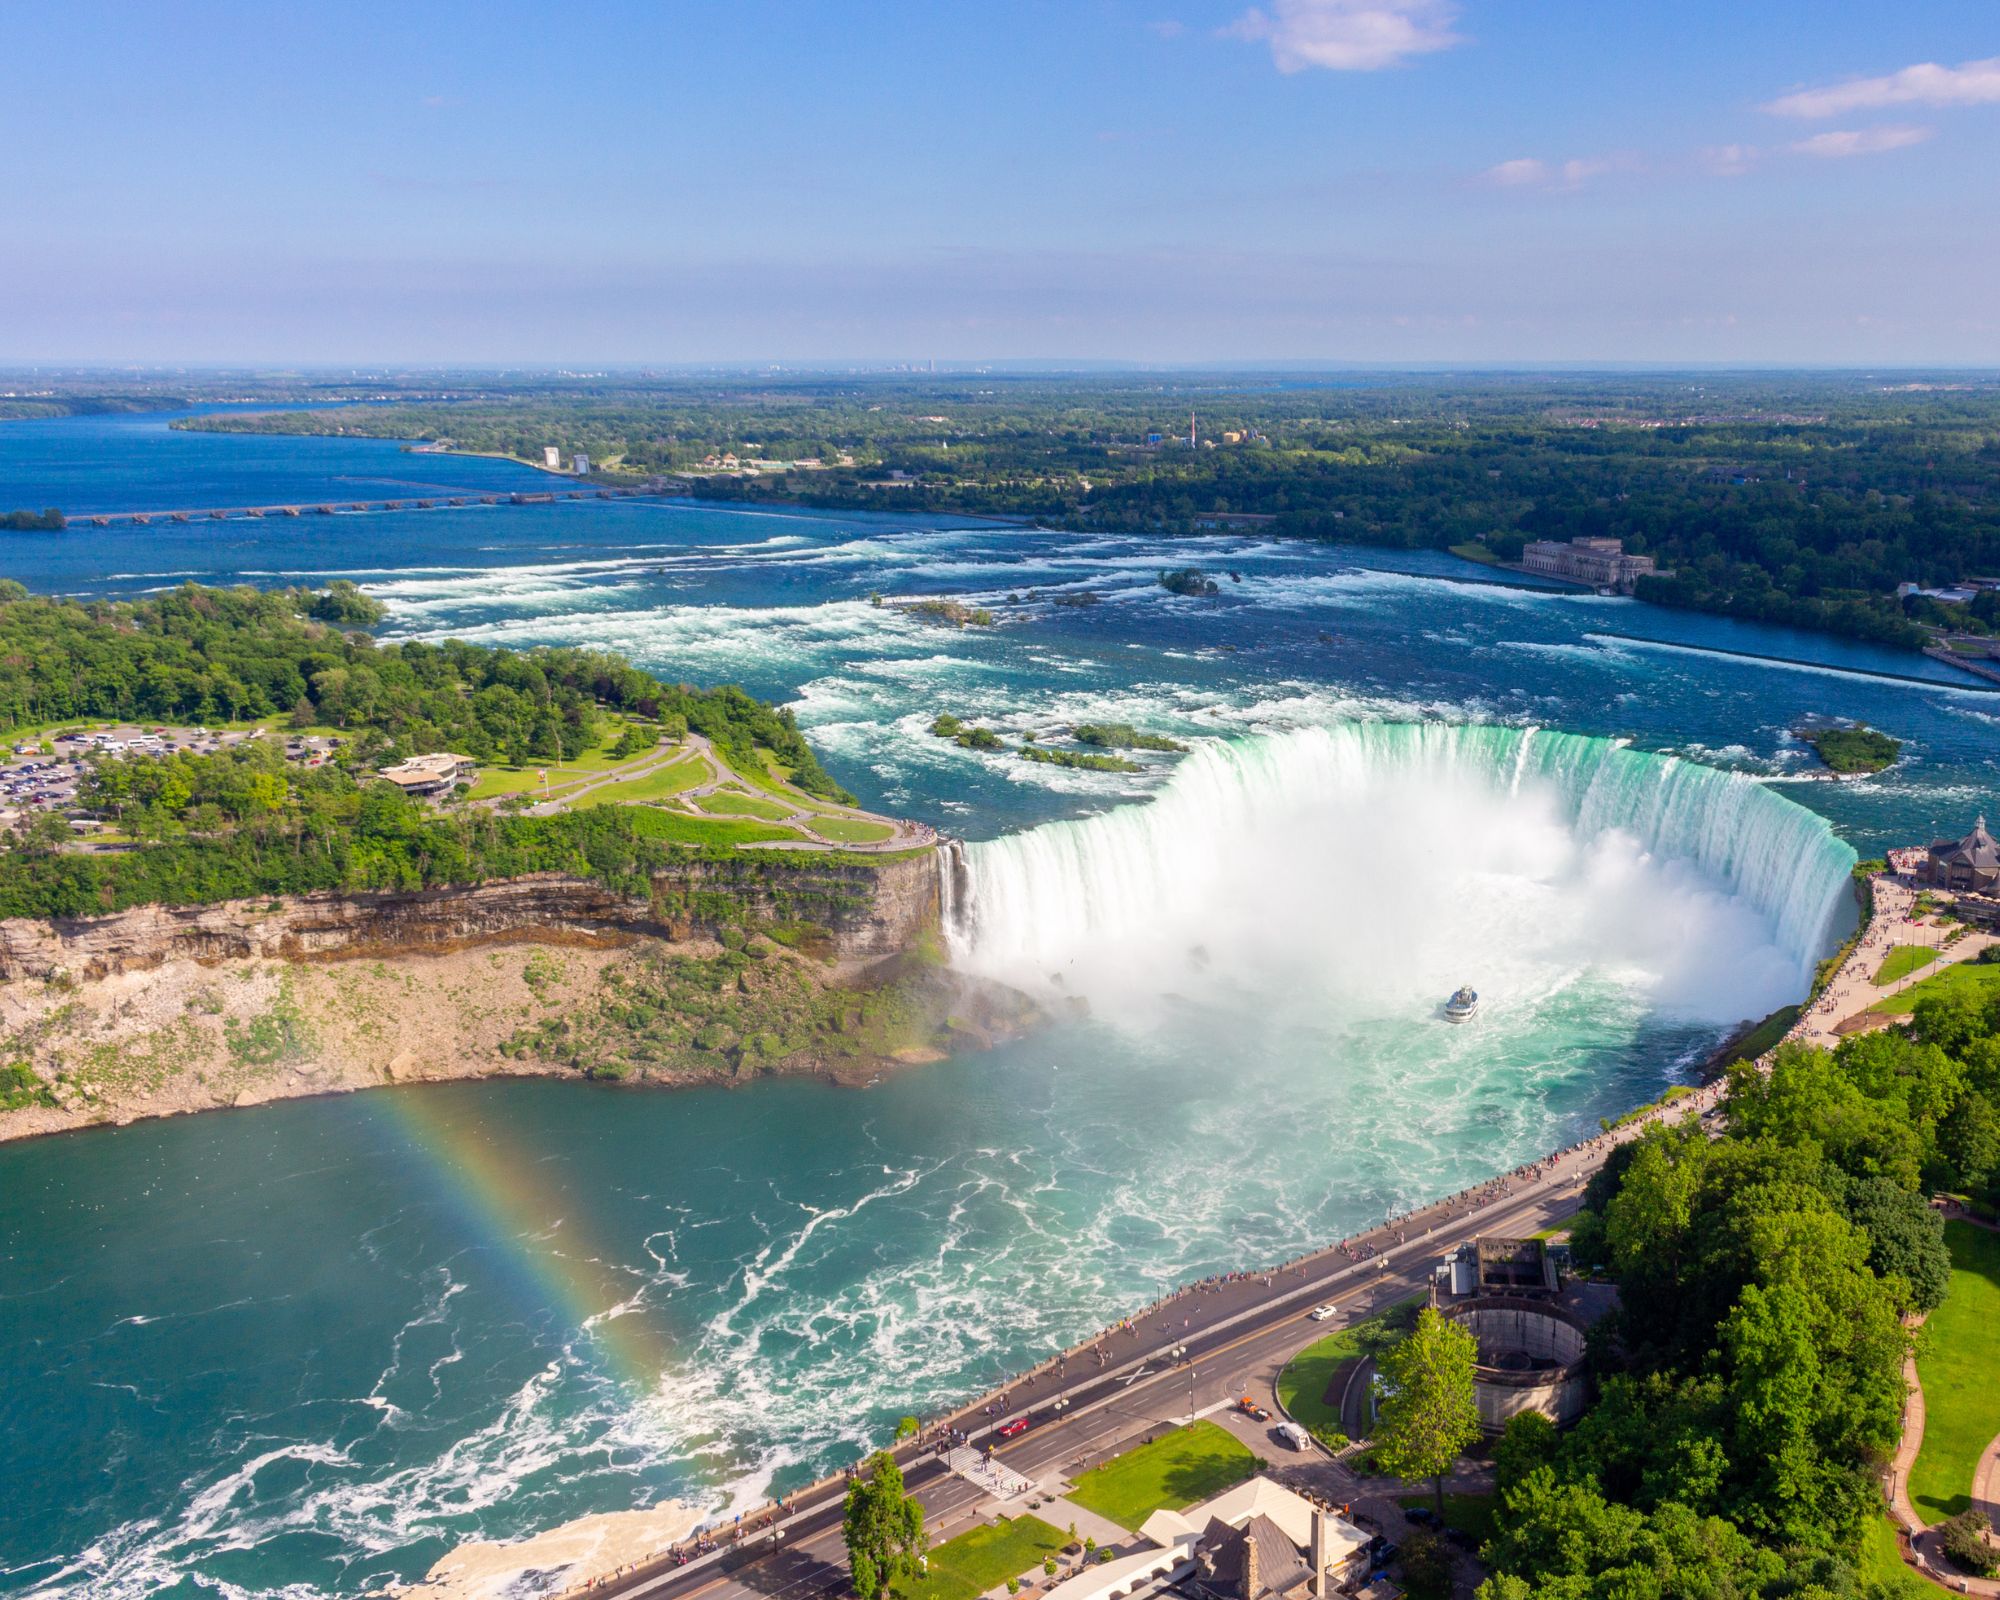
x=1237, y=1336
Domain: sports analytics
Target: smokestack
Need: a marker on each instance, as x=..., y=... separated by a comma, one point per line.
x=1321, y=1585
x=1249, y=1564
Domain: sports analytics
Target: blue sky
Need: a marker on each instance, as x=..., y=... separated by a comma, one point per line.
x=1815, y=181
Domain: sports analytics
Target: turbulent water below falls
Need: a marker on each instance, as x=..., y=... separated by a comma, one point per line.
x=302, y=1351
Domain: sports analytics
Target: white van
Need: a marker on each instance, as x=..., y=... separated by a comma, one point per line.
x=1295, y=1436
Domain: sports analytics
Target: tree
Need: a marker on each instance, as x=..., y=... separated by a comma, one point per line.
x=1428, y=1561
x=1905, y=1236
x=1433, y=1414
x=1528, y=1441
x=1964, y=1540
x=884, y=1527
x=343, y=602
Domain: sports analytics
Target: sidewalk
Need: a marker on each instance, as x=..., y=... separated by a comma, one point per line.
x=1852, y=990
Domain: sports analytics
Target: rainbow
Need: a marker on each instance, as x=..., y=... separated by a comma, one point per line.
x=505, y=1195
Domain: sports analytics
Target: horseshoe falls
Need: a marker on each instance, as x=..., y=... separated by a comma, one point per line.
x=1365, y=870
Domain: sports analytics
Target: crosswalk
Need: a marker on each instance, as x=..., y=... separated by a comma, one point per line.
x=995, y=1477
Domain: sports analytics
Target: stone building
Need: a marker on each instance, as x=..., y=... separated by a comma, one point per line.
x=1601, y=563
x=1971, y=864
x=1529, y=1320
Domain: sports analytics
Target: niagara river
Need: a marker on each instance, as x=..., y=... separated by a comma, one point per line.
x=315, y=1345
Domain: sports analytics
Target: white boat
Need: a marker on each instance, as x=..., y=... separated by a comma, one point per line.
x=1463, y=1006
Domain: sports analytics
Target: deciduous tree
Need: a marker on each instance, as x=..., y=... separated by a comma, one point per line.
x=1433, y=1413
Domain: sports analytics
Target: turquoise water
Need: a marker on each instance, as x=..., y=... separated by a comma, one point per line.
x=302, y=1350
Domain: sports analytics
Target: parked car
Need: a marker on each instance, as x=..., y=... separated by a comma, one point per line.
x=1422, y=1516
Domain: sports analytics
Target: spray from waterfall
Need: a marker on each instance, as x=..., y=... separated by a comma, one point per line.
x=1368, y=869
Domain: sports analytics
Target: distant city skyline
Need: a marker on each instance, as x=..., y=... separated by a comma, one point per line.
x=1321, y=182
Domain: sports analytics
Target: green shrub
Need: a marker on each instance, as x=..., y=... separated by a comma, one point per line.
x=21, y=1088
x=1965, y=1546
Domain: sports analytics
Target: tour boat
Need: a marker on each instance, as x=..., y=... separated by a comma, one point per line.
x=1462, y=1006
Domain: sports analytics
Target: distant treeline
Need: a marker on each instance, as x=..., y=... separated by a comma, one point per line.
x=50, y=520
x=1801, y=499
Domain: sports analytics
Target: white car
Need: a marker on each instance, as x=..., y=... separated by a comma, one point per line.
x=1321, y=1313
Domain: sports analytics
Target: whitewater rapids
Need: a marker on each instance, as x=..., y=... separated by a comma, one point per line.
x=1366, y=870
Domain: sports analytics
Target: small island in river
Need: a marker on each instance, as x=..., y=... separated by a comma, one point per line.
x=1852, y=750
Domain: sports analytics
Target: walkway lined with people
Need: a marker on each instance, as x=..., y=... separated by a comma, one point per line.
x=1894, y=925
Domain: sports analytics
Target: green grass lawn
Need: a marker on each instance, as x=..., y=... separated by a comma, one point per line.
x=825, y=822
x=983, y=1557
x=1979, y=979
x=1882, y=1567
x=851, y=830
x=1903, y=961
x=673, y=778
x=1180, y=1468
x=727, y=804
x=1473, y=550
x=1766, y=1035
x=774, y=777
x=1961, y=1350
x=678, y=828
x=1469, y=1513
x=1302, y=1385
x=500, y=779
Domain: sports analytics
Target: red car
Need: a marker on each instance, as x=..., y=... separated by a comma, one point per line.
x=1014, y=1429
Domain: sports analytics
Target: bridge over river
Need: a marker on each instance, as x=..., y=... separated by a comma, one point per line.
x=334, y=508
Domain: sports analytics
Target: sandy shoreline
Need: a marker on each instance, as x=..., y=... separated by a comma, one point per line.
x=558, y=1561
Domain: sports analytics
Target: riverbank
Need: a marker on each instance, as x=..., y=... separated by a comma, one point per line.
x=187, y=1036
x=416, y=447
x=721, y=975
x=573, y=1555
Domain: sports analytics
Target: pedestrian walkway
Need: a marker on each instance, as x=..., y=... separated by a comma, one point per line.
x=1066, y=1513
x=1925, y=1551
x=1852, y=991
x=995, y=1477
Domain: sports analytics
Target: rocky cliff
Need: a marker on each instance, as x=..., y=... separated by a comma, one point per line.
x=858, y=915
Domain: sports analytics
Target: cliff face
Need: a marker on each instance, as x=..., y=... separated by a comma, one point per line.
x=870, y=912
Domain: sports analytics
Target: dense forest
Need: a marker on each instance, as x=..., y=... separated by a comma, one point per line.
x=1802, y=499
x=1752, y=1382
x=205, y=655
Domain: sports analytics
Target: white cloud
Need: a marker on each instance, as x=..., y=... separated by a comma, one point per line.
x=1530, y=172
x=1348, y=35
x=1970, y=84
x=1861, y=141
x=1526, y=172
x=1579, y=170
x=1729, y=160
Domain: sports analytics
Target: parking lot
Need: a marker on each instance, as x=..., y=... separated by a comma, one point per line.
x=44, y=773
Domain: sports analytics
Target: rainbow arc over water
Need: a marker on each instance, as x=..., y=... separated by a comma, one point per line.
x=514, y=1202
